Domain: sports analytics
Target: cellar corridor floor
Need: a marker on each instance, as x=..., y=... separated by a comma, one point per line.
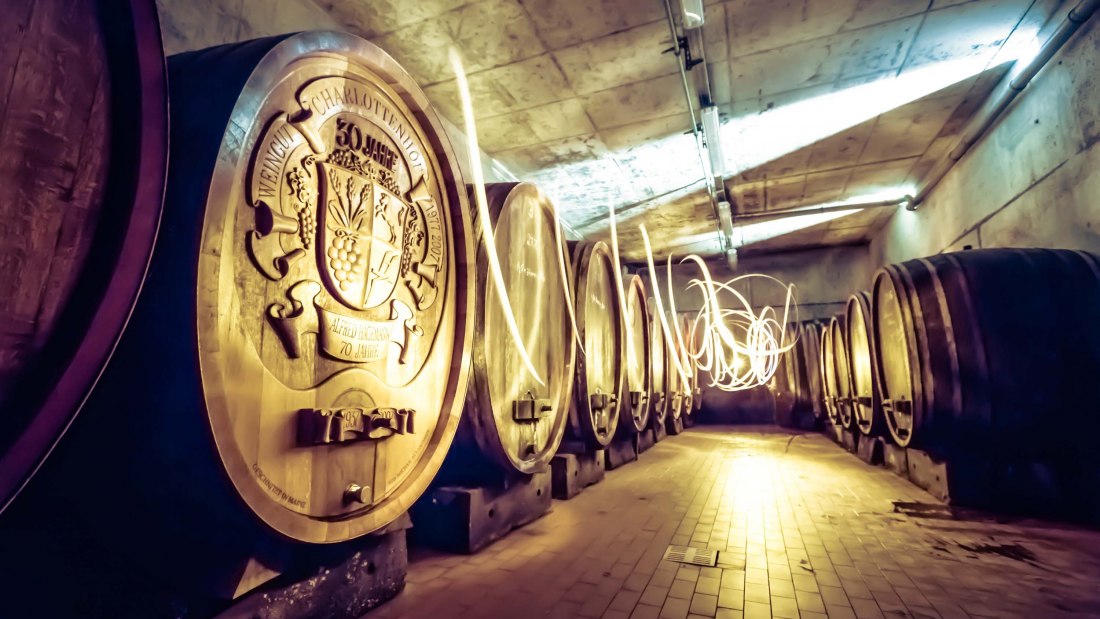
x=804, y=529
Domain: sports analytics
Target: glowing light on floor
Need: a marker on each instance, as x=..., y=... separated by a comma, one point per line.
x=482, y=201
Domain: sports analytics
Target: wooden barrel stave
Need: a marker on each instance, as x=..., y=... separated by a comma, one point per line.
x=866, y=403
x=843, y=400
x=85, y=176
x=828, y=375
x=593, y=416
x=634, y=401
x=659, y=369
x=491, y=438
x=965, y=344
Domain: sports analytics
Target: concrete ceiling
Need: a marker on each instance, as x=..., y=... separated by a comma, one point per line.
x=578, y=96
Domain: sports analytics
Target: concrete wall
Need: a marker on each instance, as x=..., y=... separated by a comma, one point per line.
x=1034, y=179
x=195, y=24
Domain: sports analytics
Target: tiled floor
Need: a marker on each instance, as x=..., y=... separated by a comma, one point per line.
x=804, y=530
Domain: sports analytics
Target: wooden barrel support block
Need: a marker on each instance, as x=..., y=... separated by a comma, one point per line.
x=594, y=414
x=573, y=472
x=660, y=432
x=83, y=156
x=894, y=458
x=674, y=425
x=341, y=582
x=849, y=439
x=465, y=520
x=644, y=440
x=869, y=449
x=514, y=422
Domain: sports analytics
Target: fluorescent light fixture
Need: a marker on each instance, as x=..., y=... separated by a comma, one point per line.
x=712, y=131
x=748, y=234
x=691, y=12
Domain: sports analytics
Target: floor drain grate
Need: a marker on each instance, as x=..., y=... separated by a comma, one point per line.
x=692, y=556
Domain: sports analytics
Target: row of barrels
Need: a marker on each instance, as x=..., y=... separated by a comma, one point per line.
x=981, y=358
x=317, y=322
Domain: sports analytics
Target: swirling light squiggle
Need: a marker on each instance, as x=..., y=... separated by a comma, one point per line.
x=737, y=346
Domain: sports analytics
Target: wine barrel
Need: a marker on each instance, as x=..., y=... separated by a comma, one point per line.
x=634, y=406
x=692, y=341
x=842, y=373
x=675, y=392
x=861, y=357
x=660, y=400
x=828, y=375
x=992, y=347
x=297, y=364
x=83, y=156
x=811, y=355
x=599, y=375
x=785, y=381
x=513, y=421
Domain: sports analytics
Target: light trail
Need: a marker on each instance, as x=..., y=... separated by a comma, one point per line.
x=483, y=214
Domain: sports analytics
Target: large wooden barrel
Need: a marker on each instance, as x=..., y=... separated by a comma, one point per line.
x=658, y=369
x=993, y=347
x=692, y=392
x=599, y=375
x=785, y=383
x=83, y=153
x=861, y=358
x=297, y=364
x=634, y=405
x=811, y=355
x=842, y=372
x=828, y=374
x=514, y=422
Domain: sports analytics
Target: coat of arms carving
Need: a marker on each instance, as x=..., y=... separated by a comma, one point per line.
x=347, y=223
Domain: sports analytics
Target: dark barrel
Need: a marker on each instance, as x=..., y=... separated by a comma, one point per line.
x=296, y=366
x=861, y=360
x=814, y=396
x=676, y=381
x=692, y=392
x=786, y=380
x=513, y=423
x=83, y=156
x=995, y=342
x=634, y=402
x=659, y=369
x=828, y=374
x=991, y=356
x=842, y=372
x=599, y=375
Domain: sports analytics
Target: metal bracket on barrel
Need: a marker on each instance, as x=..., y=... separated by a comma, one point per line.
x=324, y=426
x=902, y=406
x=529, y=408
x=603, y=406
x=638, y=402
x=863, y=400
